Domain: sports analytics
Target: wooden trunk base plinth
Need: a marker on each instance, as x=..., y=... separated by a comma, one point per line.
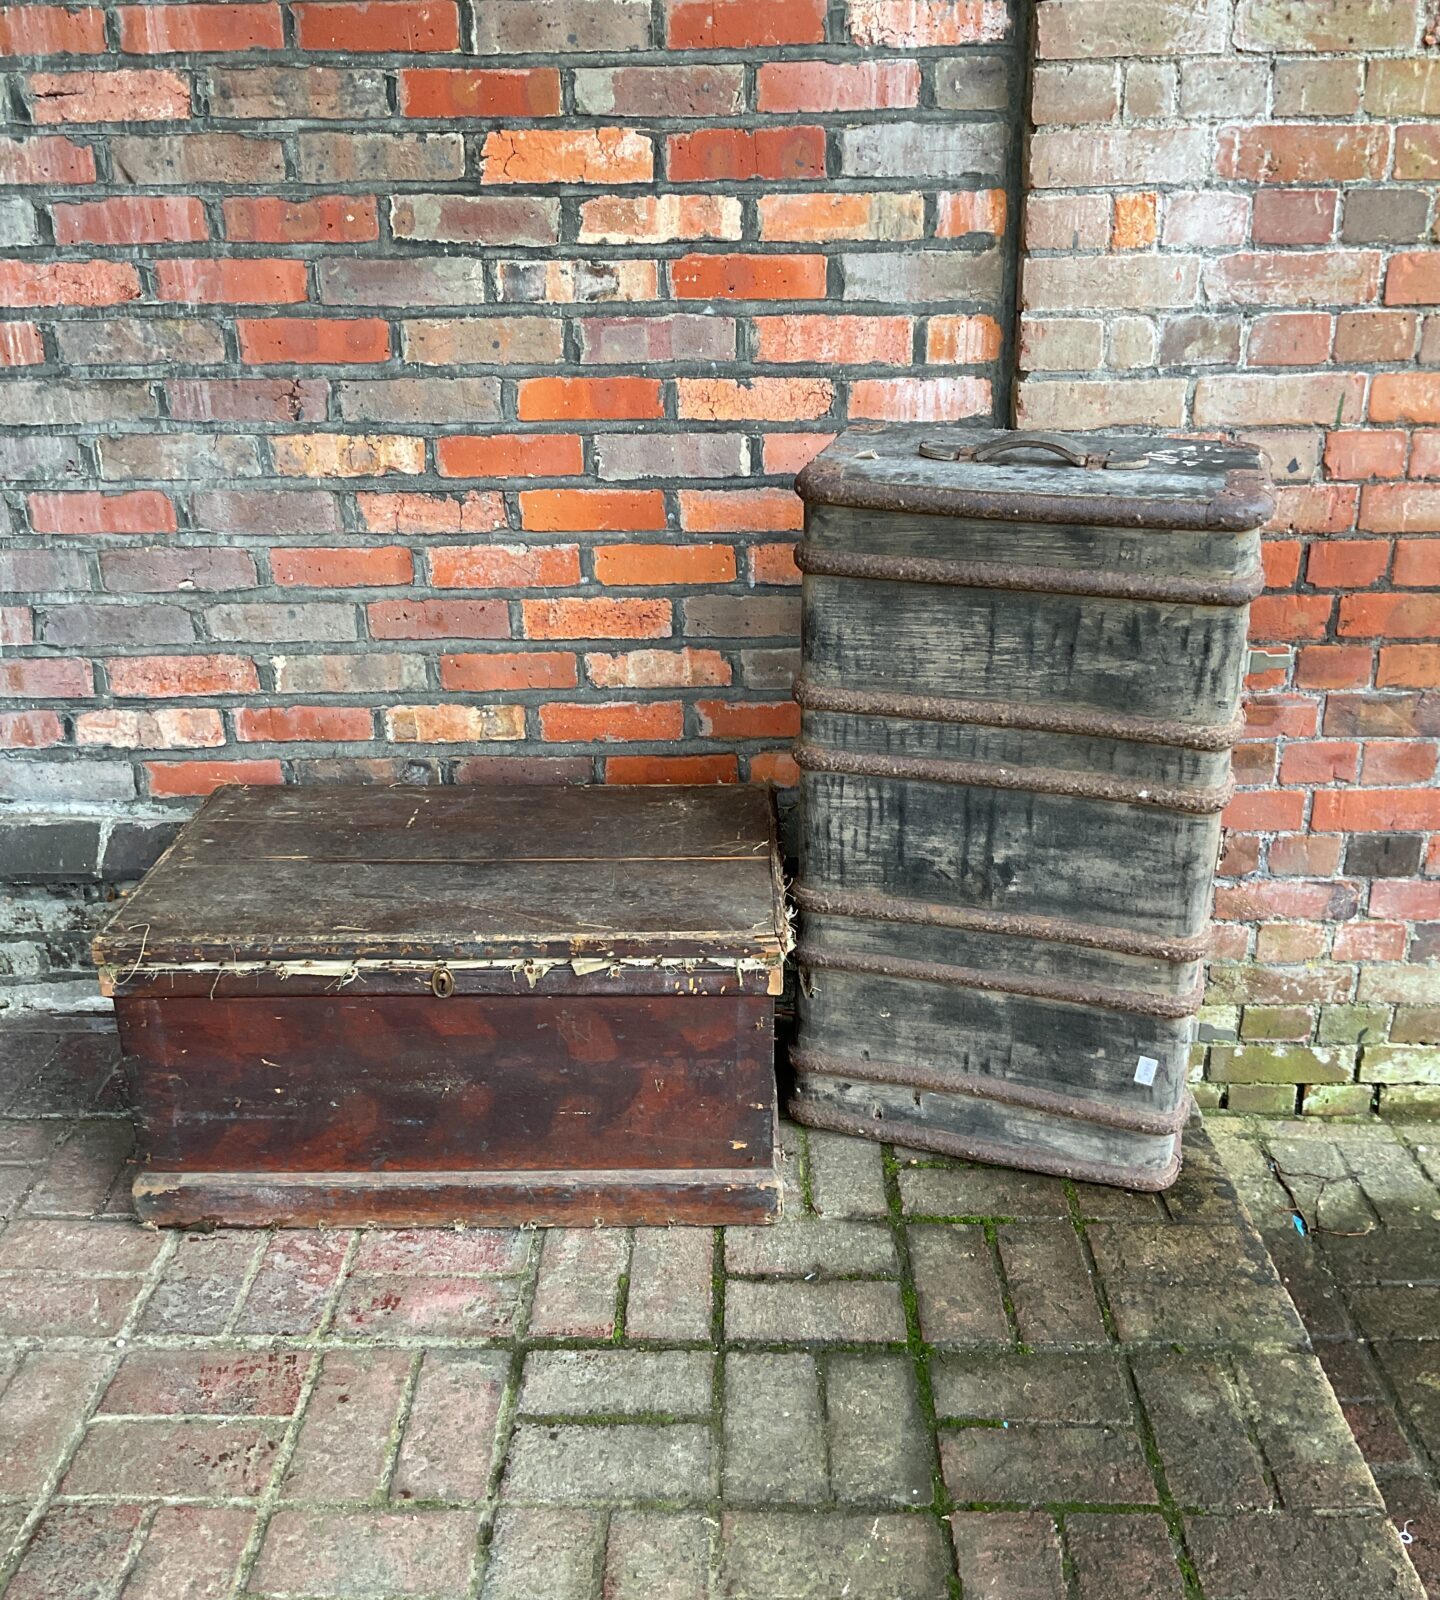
x=708, y=1197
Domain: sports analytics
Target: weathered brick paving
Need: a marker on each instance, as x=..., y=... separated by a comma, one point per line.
x=930, y=1381
x=1366, y=1278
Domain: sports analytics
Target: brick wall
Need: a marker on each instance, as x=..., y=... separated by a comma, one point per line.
x=412, y=391
x=1230, y=224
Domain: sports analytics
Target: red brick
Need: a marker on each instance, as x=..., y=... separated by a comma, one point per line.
x=742, y=24
x=1253, y=763
x=166, y=677
x=1301, y=855
x=741, y=510
x=450, y=92
x=1392, y=762
x=375, y=25
x=773, y=563
x=735, y=155
x=1405, y=397
x=439, y=619
x=592, y=510
x=1413, y=278
x=599, y=399
x=332, y=340
x=1417, y=152
x=131, y=94
x=1425, y=453
x=68, y=283
x=248, y=399
x=571, y=155
x=508, y=670
x=1370, y=336
x=90, y=511
x=838, y=340
x=1401, y=508
x=1280, y=559
x=968, y=211
x=283, y=724
x=1302, y=153
x=1334, y=666
x=170, y=779
x=1316, y=507
x=1347, y=563
x=250, y=281
x=321, y=568
x=1320, y=761
x=510, y=455
x=1409, y=666
x=919, y=399
x=21, y=345
x=48, y=160
x=30, y=730
x=1266, y=810
x=1369, y=941
x=172, y=727
x=474, y=512
x=904, y=25
x=830, y=215
x=1136, y=220
x=788, y=453
x=658, y=669
x=51, y=31
x=1417, y=564
x=611, y=721
x=1365, y=453
x=741, y=277
x=597, y=619
x=152, y=30
x=648, y=564
x=1294, y=216
x=454, y=724
x=759, y=399
x=46, y=679
x=740, y=719
x=17, y=625
x=1376, y=810
x=1410, y=901
x=346, y=455
x=1287, y=277
x=1390, y=616
x=1289, y=338
x=657, y=219
x=1289, y=716
x=504, y=566
x=833, y=86
x=672, y=769
x=142, y=219
x=774, y=766
x=962, y=340
x=325, y=219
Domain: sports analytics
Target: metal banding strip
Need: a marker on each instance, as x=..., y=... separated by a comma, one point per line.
x=1031, y=580
x=1086, y=935
x=1033, y=780
x=823, y=1064
x=1106, y=996
x=1030, y=719
x=1038, y=1159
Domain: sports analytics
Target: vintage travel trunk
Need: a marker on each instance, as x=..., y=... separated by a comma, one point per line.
x=438, y=1005
x=1023, y=659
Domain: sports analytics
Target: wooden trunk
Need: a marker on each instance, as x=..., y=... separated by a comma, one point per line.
x=412, y=1006
x=1021, y=682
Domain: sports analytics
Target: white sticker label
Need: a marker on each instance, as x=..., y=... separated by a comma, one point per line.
x=1145, y=1069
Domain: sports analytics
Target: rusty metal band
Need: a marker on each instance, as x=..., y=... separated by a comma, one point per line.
x=1059, y=930
x=1031, y=780
x=1245, y=503
x=1107, y=996
x=1105, y=585
x=916, y=1136
x=977, y=1086
x=1026, y=718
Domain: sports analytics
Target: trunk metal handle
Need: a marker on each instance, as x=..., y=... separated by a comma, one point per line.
x=1007, y=444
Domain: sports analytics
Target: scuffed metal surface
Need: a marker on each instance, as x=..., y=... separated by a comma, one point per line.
x=1025, y=718
x=1033, y=780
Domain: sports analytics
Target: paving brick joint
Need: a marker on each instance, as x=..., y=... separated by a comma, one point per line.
x=930, y=1381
